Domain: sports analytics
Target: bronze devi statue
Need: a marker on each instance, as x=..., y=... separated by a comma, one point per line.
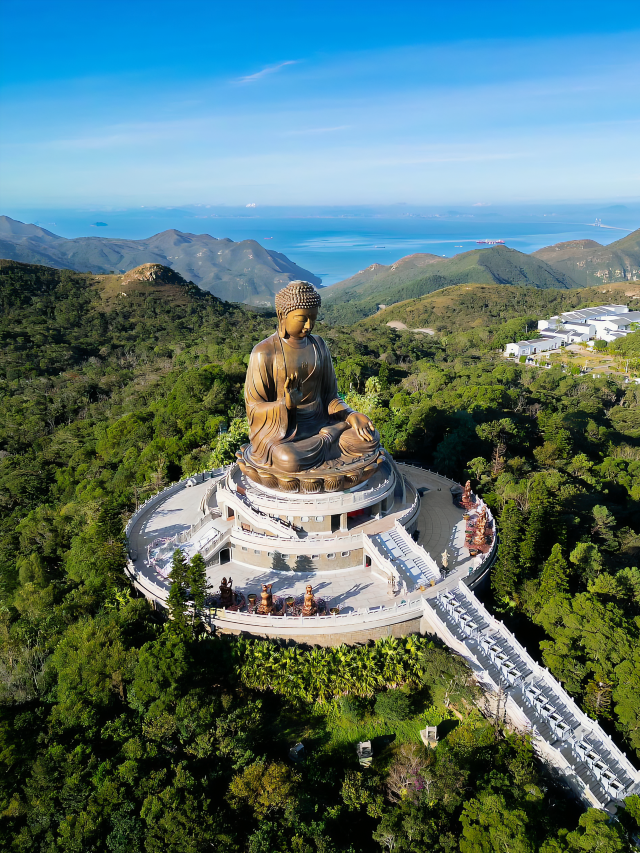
x=302, y=435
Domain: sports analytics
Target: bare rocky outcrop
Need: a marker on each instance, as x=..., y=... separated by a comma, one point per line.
x=152, y=273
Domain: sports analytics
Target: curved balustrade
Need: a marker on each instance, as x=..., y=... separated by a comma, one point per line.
x=345, y=621
x=295, y=546
x=298, y=499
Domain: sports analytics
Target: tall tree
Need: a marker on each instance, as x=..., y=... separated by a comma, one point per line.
x=532, y=541
x=554, y=575
x=196, y=577
x=507, y=570
x=178, y=597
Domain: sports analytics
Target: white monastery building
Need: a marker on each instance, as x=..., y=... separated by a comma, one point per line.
x=602, y=323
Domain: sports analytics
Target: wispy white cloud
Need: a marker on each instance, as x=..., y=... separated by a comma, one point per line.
x=270, y=69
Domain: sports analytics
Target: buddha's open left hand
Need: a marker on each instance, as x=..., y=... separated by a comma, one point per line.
x=362, y=425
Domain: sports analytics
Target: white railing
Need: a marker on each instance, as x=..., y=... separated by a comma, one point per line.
x=145, y=584
x=284, y=528
x=364, y=616
x=325, y=499
x=297, y=546
x=213, y=544
x=418, y=549
x=186, y=535
x=429, y=471
x=409, y=512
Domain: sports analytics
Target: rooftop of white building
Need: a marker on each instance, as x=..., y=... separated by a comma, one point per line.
x=535, y=341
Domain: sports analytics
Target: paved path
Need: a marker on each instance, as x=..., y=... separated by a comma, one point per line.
x=440, y=521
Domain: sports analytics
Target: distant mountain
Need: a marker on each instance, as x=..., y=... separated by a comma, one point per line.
x=237, y=272
x=379, y=276
x=589, y=263
x=418, y=275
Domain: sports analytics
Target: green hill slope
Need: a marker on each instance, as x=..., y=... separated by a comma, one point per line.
x=477, y=306
x=590, y=264
x=360, y=295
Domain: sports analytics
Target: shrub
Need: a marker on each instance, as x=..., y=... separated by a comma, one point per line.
x=393, y=706
x=350, y=708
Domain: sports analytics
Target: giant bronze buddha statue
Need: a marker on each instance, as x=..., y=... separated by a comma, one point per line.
x=302, y=434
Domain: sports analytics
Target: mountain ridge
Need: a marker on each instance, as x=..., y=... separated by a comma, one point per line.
x=237, y=272
x=360, y=295
x=590, y=263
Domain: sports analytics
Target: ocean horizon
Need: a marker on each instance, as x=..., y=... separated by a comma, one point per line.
x=336, y=245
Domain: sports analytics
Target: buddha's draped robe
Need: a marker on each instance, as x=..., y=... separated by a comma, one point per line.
x=314, y=432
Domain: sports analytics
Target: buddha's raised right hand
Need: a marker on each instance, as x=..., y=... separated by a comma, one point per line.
x=292, y=391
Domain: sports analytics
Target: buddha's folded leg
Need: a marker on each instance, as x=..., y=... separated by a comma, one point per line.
x=333, y=431
x=352, y=445
x=294, y=456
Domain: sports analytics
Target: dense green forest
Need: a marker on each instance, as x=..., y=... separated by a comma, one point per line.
x=123, y=731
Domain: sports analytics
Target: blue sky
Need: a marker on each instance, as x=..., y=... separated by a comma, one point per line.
x=161, y=103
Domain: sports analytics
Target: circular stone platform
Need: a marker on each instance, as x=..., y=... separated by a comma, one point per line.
x=356, y=548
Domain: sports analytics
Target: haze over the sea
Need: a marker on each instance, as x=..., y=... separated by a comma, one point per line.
x=336, y=242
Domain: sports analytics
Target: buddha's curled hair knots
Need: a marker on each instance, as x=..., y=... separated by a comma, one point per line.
x=296, y=295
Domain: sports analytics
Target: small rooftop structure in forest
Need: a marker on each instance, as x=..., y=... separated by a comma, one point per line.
x=365, y=753
x=430, y=736
x=296, y=753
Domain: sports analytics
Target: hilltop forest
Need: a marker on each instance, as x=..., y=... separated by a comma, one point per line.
x=124, y=731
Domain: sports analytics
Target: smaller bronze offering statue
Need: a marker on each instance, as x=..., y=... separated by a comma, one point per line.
x=266, y=599
x=309, y=608
x=481, y=528
x=226, y=593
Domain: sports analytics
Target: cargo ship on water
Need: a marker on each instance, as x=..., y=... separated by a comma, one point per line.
x=490, y=242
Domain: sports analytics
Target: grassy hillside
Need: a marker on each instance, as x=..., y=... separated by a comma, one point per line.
x=465, y=307
x=348, y=301
x=591, y=264
x=381, y=276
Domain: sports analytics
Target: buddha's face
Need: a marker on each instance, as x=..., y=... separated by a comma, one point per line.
x=299, y=323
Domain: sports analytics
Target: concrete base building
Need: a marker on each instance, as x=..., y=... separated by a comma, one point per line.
x=366, y=551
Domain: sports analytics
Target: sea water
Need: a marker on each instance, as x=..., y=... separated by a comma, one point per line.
x=334, y=247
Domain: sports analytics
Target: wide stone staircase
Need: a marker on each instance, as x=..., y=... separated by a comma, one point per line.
x=577, y=745
x=411, y=561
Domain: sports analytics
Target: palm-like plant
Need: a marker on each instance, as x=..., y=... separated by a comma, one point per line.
x=322, y=674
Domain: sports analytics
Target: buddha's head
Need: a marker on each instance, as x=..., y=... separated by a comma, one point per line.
x=297, y=309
